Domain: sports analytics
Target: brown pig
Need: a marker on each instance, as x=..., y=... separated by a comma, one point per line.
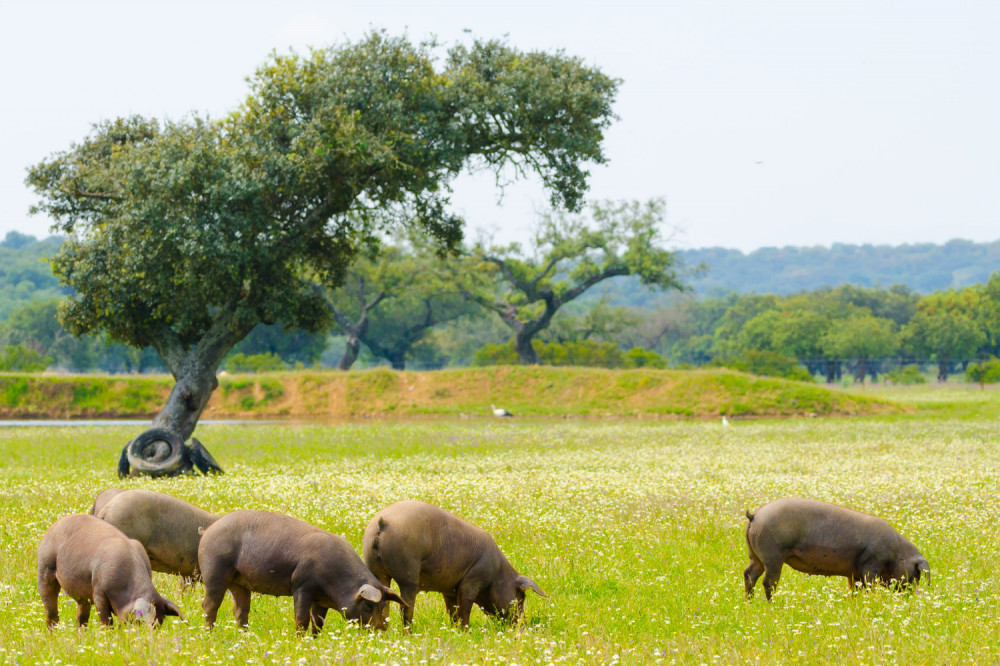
x=96, y=564
x=168, y=528
x=827, y=540
x=425, y=548
x=259, y=551
x=103, y=498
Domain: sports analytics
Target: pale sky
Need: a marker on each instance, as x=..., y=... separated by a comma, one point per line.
x=761, y=122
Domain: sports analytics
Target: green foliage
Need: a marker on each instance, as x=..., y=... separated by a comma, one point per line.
x=253, y=363
x=582, y=353
x=496, y=354
x=569, y=255
x=25, y=274
x=767, y=363
x=861, y=336
x=637, y=357
x=195, y=231
x=291, y=345
x=391, y=302
x=987, y=373
x=18, y=358
x=906, y=376
x=945, y=328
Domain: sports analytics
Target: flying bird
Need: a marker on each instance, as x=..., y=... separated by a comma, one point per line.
x=500, y=411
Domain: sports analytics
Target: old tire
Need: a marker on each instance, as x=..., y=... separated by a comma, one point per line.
x=123, y=464
x=157, y=452
x=202, y=459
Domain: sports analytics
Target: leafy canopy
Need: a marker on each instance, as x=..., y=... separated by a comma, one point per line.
x=570, y=253
x=179, y=228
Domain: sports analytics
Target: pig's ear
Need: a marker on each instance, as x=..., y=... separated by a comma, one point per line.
x=369, y=593
x=392, y=596
x=170, y=608
x=524, y=583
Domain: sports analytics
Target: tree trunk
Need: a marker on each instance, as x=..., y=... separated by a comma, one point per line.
x=861, y=370
x=397, y=361
x=192, y=390
x=831, y=371
x=525, y=351
x=194, y=371
x=350, y=353
x=943, y=371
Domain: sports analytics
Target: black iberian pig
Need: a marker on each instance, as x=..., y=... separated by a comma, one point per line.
x=95, y=563
x=269, y=553
x=827, y=540
x=168, y=528
x=425, y=548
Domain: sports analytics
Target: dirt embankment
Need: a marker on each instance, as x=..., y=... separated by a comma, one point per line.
x=530, y=391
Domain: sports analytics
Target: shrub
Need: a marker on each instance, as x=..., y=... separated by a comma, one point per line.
x=766, y=363
x=907, y=376
x=266, y=362
x=989, y=373
x=585, y=353
x=638, y=357
x=504, y=354
x=18, y=358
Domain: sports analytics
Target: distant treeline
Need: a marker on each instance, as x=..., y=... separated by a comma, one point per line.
x=922, y=267
x=822, y=332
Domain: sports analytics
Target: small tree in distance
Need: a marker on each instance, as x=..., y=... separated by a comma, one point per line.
x=568, y=256
x=391, y=302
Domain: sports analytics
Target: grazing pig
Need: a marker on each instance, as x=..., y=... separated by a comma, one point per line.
x=827, y=540
x=168, y=528
x=423, y=547
x=103, y=498
x=259, y=551
x=96, y=564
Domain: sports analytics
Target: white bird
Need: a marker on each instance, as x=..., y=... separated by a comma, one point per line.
x=725, y=421
x=500, y=411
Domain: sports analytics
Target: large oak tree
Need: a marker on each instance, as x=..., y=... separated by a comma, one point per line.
x=186, y=234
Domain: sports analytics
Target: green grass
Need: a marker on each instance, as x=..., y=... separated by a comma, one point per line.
x=634, y=528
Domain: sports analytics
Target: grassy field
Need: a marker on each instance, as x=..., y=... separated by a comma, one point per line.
x=634, y=528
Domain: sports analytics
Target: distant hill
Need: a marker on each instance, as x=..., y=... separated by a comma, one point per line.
x=924, y=267
x=24, y=273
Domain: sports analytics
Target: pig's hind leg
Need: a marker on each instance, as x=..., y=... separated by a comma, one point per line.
x=771, y=561
x=241, y=604
x=48, y=588
x=751, y=574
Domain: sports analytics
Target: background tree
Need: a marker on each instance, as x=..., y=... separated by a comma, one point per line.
x=568, y=256
x=862, y=337
x=292, y=346
x=943, y=329
x=185, y=235
x=391, y=303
